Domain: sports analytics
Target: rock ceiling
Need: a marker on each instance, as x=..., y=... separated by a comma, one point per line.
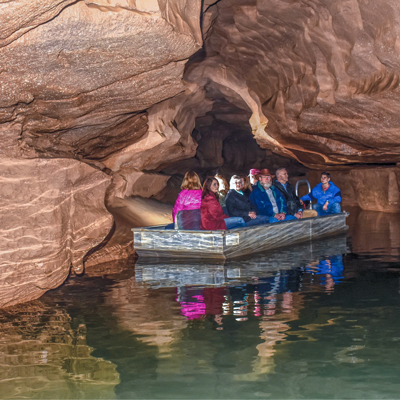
x=121, y=85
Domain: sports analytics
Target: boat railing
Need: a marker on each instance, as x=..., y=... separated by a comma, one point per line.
x=309, y=189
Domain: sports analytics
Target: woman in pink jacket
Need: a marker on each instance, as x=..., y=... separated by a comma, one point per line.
x=190, y=196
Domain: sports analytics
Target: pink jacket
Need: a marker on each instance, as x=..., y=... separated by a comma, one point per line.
x=187, y=200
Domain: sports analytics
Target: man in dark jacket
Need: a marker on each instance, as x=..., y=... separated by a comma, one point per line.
x=239, y=205
x=268, y=200
x=293, y=205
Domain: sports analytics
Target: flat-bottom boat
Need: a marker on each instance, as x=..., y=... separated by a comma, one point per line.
x=158, y=242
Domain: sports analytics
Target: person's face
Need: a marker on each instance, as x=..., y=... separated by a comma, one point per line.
x=253, y=179
x=283, y=176
x=238, y=184
x=266, y=180
x=325, y=180
x=214, y=186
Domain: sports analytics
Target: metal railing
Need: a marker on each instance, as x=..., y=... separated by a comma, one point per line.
x=309, y=189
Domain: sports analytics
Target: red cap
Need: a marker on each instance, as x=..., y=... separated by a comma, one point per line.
x=254, y=171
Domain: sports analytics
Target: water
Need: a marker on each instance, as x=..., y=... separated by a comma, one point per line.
x=319, y=320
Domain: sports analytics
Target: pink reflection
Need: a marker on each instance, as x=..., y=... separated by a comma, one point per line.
x=192, y=310
x=208, y=302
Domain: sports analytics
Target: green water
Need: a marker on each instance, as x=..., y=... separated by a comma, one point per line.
x=315, y=321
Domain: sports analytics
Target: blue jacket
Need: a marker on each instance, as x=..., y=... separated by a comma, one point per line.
x=260, y=199
x=333, y=194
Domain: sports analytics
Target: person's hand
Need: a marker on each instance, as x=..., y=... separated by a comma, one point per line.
x=325, y=207
x=299, y=215
x=280, y=216
x=252, y=215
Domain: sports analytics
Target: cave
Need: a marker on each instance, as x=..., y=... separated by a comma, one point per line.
x=106, y=103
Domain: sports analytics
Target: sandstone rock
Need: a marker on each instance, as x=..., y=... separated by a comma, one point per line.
x=52, y=213
x=321, y=79
x=79, y=79
x=76, y=81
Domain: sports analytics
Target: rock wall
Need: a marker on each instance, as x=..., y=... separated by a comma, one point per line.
x=52, y=212
x=320, y=78
x=91, y=94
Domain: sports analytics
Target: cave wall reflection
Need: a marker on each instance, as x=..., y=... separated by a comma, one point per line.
x=42, y=354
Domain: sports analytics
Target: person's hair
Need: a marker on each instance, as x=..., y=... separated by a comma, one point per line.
x=207, y=187
x=191, y=181
x=225, y=182
x=279, y=170
x=247, y=184
x=232, y=181
x=327, y=174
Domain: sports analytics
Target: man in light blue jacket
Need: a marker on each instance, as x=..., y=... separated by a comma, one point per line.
x=327, y=194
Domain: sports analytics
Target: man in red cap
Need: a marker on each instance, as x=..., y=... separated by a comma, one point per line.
x=268, y=200
x=253, y=176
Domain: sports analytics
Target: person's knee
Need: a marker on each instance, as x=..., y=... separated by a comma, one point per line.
x=272, y=220
x=263, y=219
x=335, y=208
x=290, y=217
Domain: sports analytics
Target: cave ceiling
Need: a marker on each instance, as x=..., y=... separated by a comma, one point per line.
x=315, y=81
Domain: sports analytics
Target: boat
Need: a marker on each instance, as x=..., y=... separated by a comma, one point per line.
x=158, y=242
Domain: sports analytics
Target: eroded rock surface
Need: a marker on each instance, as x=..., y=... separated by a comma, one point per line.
x=320, y=78
x=100, y=81
x=52, y=213
x=85, y=80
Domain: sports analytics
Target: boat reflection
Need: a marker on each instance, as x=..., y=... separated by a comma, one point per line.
x=178, y=273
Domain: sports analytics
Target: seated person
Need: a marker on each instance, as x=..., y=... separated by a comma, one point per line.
x=327, y=194
x=246, y=185
x=293, y=205
x=190, y=196
x=268, y=200
x=212, y=216
x=223, y=191
x=253, y=176
x=239, y=205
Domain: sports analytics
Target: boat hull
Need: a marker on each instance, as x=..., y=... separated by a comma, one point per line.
x=156, y=242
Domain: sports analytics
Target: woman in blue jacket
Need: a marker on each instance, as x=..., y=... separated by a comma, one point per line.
x=327, y=194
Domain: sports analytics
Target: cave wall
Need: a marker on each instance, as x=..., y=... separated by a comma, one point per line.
x=105, y=99
x=319, y=77
x=91, y=94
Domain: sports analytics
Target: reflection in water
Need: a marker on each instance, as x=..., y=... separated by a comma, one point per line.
x=150, y=316
x=311, y=321
x=42, y=355
x=375, y=233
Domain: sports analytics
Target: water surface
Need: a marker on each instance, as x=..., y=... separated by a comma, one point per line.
x=320, y=320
